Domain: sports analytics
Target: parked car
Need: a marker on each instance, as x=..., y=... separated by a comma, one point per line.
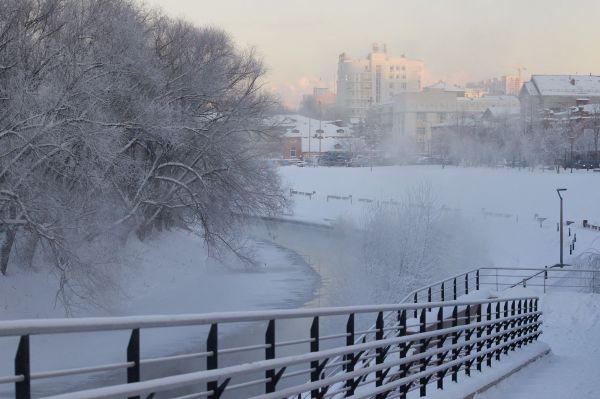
x=589, y=164
x=359, y=161
x=333, y=158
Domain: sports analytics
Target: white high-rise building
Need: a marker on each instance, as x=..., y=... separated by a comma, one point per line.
x=374, y=80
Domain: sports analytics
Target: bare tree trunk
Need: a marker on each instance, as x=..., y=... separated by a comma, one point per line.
x=26, y=251
x=6, y=248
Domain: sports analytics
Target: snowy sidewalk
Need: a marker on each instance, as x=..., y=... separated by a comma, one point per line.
x=572, y=329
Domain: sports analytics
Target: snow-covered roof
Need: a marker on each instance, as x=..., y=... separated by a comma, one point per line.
x=503, y=111
x=591, y=108
x=298, y=125
x=444, y=86
x=334, y=135
x=565, y=85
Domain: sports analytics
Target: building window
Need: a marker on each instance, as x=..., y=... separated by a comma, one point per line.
x=403, y=85
x=422, y=116
x=293, y=152
x=420, y=131
x=441, y=117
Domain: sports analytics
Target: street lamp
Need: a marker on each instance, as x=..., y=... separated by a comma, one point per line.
x=319, y=136
x=558, y=190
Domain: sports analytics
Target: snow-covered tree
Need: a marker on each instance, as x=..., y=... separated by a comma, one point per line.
x=117, y=119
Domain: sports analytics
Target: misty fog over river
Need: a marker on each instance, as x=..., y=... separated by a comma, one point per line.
x=331, y=259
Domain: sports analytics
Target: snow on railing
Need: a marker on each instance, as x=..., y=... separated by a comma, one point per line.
x=445, y=338
x=437, y=331
x=463, y=284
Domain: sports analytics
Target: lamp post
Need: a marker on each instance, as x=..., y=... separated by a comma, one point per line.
x=319, y=136
x=558, y=190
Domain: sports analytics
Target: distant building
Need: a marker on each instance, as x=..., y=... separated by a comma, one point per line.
x=374, y=80
x=324, y=96
x=305, y=137
x=412, y=115
x=555, y=93
x=508, y=85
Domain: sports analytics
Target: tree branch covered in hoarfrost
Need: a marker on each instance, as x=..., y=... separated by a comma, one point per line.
x=117, y=119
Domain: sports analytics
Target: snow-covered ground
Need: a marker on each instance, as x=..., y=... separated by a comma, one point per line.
x=171, y=273
x=572, y=370
x=499, y=204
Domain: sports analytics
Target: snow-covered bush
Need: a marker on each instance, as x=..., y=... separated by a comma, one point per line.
x=405, y=244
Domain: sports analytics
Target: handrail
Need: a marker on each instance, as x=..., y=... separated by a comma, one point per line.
x=413, y=296
x=494, y=336
x=94, y=324
x=414, y=329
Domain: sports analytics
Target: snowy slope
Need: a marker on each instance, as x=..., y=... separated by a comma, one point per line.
x=167, y=275
x=572, y=370
x=500, y=204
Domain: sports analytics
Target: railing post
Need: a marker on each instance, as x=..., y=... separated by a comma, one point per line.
x=477, y=280
x=479, y=343
x=133, y=355
x=454, y=288
x=535, y=309
x=498, y=338
x=415, y=299
x=270, y=354
x=314, y=347
x=23, y=367
x=440, y=344
x=506, y=327
x=545, y=277
x=488, y=332
x=466, y=283
x=513, y=322
x=350, y=356
x=520, y=330
x=530, y=319
x=443, y=293
x=455, y=341
x=403, y=350
x=429, y=297
x=212, y=360
x=379, y=351
x=422, y=349
x=468, y=351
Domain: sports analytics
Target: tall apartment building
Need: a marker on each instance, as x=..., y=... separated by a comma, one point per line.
x=374, y=80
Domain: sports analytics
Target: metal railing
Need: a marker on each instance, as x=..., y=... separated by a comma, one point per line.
x=462, y=284
x=445, y=338
x=407, y=347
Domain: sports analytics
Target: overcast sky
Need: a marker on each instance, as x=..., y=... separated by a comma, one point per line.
x=459, y=40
